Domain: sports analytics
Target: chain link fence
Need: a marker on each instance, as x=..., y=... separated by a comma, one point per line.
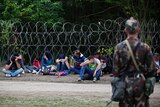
x=34, y=39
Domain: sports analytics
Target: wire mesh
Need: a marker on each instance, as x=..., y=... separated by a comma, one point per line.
x=33, y=39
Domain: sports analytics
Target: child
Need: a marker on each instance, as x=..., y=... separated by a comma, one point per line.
x=35, y=66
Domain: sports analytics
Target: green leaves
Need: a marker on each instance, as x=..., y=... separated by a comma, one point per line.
x=106, y=51
x=82, y=11
x=5, y=30
x=33, y=10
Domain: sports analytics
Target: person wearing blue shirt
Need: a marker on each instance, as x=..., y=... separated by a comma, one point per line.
x=62, y=63
x=19, y=57
x=77, y=58
x=47, y=66
x=13, y=66
x=46, y=59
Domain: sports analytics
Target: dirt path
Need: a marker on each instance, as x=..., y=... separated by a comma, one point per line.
x=17, y=88
x=45, y=86
x=49, y=88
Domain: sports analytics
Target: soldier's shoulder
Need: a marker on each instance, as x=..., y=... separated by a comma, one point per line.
x=145, y=45
x=121, y=44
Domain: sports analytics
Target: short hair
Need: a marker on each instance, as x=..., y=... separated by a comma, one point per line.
x=15, y=54
x=91, y=57
x=96, y=53
x=156, y=54
x=77, y=51
x=38, y=58
x=13, y=58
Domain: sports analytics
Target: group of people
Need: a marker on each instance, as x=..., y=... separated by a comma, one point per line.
x=88, y=68
x=135, y=67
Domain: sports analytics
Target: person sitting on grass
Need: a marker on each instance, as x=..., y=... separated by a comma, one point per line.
x=91, y=67
x=62, y=63
x=20, y=58
x=35, y=66
x=46, y=59
x=157, y=64
x=62, y=66
x=13, y=66
x=46, y=64
x=76, y=60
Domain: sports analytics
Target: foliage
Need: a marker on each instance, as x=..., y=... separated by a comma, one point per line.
x=142, y=9
x=82, y=11
x=18, y=50
x=95, y=10
x=33, y=10
x=148, y=40
x=5, y=29
x=106, y=51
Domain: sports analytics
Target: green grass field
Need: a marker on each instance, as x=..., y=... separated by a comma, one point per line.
x=13, y=101
x=20, y=101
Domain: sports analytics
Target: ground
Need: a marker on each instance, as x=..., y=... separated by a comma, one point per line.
x=31, y=90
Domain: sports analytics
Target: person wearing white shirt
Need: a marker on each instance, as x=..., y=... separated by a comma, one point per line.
x=93, y=67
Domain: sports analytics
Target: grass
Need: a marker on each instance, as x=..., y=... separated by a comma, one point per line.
x=53, y=101
x=20, y=101
x=43, y=101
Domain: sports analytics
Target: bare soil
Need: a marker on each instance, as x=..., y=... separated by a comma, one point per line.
x=65, y=87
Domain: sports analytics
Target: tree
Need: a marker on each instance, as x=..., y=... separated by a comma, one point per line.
x=93, y=10
x=77, y=11
x=33, y=10
x=142, y=9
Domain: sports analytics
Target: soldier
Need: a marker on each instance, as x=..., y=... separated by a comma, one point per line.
x=124, y=65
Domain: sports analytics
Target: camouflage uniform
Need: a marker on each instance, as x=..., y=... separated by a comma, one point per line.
x=135, y=96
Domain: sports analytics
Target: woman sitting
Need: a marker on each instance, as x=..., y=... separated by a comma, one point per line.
x=47, y=63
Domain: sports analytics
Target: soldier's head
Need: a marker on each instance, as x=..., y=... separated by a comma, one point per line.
x=132, y=26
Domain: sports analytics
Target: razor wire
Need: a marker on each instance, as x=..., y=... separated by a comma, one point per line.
x=34, y=39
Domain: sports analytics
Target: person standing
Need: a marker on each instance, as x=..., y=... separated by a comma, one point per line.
x=123, y=65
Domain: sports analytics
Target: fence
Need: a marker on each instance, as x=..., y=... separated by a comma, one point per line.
x=33, y=39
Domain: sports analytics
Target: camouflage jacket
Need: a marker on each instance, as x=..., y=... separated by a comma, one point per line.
x=143, y=55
